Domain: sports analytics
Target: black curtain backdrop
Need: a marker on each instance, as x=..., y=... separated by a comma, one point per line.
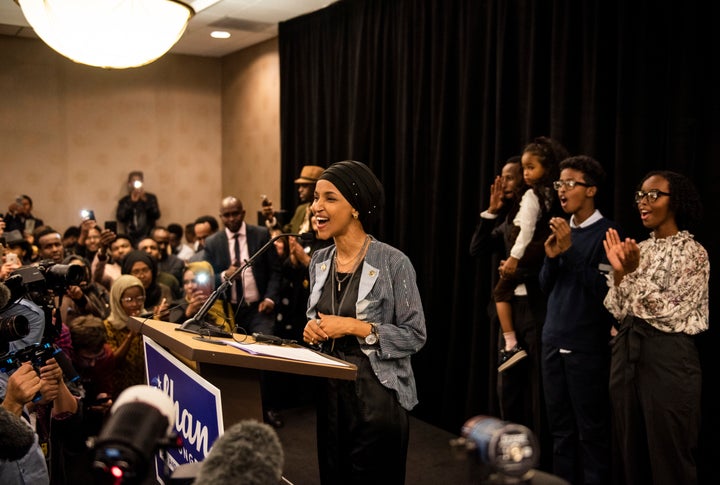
x=434, y=95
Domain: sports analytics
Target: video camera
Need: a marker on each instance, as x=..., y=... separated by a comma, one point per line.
x=41, y=282
x=38, y=355
x=45, y=275
x=499, y=452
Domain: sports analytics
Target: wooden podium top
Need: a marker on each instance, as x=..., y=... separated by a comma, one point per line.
x=186, y=346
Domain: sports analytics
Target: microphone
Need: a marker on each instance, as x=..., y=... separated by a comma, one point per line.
x=16, y=436
x=248, y=453
x=306, y=237
x=141, y=422
x=196, y=324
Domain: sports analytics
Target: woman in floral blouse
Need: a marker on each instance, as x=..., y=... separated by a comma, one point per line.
x=659, y=295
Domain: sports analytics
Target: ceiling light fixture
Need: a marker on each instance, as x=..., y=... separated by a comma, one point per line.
x=115, y=34
x=220, y=34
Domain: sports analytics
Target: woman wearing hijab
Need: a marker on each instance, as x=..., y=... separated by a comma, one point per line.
x=157, y=295
x=127, y=299
x=364, y=308
x=198, y=284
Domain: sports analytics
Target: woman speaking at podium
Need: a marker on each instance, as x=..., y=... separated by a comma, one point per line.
x=364, y=308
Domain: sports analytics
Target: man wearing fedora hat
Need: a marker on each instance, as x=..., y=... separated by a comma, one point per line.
x=306, y=188
x=309, y=175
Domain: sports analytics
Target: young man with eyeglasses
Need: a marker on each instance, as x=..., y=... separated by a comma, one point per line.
x=575, y=336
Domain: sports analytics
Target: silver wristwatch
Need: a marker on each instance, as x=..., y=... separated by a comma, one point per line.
x=372, y=337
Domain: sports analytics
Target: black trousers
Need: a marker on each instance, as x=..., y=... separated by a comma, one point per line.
x=578, y=407
x=363, y=431
x=655, y=386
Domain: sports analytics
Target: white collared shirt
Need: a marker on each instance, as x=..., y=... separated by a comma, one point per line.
x=250, y=289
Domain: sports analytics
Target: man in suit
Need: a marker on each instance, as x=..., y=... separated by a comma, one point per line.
x=256, y=289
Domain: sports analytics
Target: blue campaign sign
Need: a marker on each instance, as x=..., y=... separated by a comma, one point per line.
x=198, y=408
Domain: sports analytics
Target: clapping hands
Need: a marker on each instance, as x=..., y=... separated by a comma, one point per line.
x=624, y=256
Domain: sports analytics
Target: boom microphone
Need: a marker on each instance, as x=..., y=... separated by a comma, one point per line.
x=248, y=453
x=16, y=436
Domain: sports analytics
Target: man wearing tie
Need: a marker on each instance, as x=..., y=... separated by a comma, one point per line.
x=255, y=290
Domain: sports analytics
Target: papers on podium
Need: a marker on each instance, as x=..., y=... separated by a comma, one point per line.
x=285, y=352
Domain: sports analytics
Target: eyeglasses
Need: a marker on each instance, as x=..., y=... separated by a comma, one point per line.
x=570, y=184
x=652, y=195
x=136, y=299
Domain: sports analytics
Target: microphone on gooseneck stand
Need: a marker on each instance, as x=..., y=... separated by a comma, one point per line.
x=197, y=324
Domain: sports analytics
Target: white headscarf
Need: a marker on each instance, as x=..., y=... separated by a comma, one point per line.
x=118, y=316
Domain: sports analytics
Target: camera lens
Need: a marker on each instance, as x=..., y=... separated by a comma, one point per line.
x=60, y=276
x=13, y=328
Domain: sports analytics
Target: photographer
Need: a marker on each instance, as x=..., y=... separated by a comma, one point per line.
x=17, y=391
x=86, y=298
x=138, y=210
x=89, y=240
x=56, y=410
x=30, y=329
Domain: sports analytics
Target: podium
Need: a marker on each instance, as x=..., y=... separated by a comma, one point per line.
x=235, y=372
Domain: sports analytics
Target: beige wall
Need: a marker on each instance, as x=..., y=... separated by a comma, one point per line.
x=251, y=125
x=200, y=128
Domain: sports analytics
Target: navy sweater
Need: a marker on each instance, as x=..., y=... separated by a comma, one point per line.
x=576, y=318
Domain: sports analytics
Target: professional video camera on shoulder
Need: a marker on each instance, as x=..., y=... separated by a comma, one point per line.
x=42, y=280
x=40, y=283
x=49, y=275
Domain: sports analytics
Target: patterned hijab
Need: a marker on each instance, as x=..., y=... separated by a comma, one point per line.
x=118, y=316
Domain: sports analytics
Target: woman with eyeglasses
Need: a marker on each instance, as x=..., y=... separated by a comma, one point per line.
x=127, y=299
x=659, y=295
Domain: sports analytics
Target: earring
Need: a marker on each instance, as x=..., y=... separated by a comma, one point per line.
x=355, y=215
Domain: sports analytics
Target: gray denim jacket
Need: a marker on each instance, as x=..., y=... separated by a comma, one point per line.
x=388, y=296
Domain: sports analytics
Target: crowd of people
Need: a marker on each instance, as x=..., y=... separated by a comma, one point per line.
x=96, y=277
x=594, y=339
